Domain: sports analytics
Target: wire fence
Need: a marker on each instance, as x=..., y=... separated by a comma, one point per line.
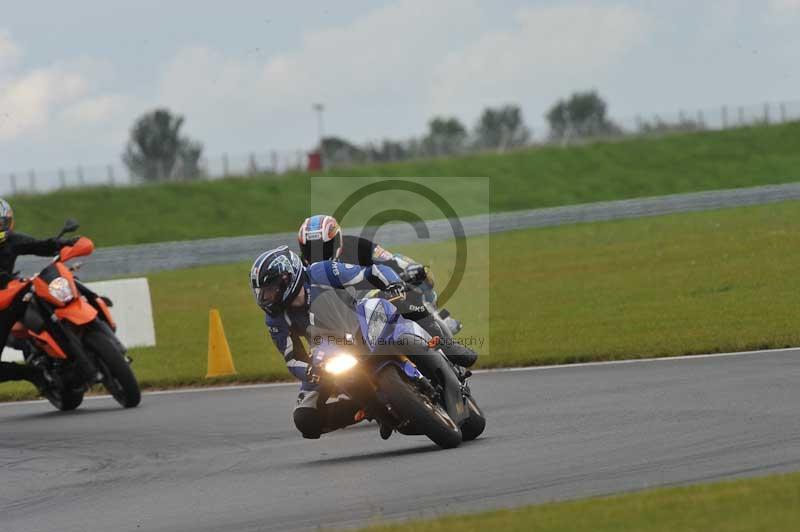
x=279, y=162
x=220, y=167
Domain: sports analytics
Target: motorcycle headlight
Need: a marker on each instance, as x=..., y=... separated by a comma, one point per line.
x=377, y=322
x=61, y=290
x=341, y=363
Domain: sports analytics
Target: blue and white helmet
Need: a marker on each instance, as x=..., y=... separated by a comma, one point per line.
x=277, y=276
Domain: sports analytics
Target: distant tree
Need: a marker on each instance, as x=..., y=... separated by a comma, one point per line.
x=338, y=151
x=157, y=151
x=581, y=115
x=386, y=151
x=501, y=128
x=445, y=136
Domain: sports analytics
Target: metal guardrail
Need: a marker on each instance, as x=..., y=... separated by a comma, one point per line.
x=121, y=261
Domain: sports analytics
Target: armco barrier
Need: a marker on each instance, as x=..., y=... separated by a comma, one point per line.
x=142, y=259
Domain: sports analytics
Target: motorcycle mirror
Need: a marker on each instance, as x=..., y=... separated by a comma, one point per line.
x=69, y=226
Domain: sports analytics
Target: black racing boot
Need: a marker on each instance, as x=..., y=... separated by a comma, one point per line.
x=431, y=326
x=11, y=371
x=385, y=431
x=457, y=353
x=340, y=414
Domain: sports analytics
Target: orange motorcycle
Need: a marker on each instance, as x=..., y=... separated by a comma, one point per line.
x=68, y=333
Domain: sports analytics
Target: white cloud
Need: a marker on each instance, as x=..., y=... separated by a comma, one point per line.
x=27, y=101
x=782, y=13
x=362, y=71
x=388, y=71
x=58, y=101
x=94, y=110
x=9, y=51
x=548, y=51
x=784, y=7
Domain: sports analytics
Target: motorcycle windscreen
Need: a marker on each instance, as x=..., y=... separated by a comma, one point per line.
x=334, y=318
x=387, y=332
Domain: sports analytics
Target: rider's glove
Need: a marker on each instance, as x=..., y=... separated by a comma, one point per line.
x=67, y=241
x=415, y=273
x=396, y=290
x=312, y=377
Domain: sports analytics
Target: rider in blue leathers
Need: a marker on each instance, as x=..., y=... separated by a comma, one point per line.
x=285, y=289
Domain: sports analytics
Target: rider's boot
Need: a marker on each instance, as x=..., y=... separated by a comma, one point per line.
x=17, y=372
x=341, y=414
x=385, y=431
x=453, y=324
x=455, y=352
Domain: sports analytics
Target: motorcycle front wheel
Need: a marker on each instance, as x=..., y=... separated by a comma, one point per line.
x=428, y=418
x=118, y=378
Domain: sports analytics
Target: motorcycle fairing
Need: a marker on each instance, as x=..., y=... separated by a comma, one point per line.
x=49, y=345
x=100, y=303
x=430, y=363
x=406, y=365
x=78, y=311
x=81, y=248
x=12, y=289
x=41, y=283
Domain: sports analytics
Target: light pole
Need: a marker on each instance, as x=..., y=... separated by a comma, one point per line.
x=319, y=108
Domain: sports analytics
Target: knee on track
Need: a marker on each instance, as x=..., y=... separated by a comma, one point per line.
x=309, y=422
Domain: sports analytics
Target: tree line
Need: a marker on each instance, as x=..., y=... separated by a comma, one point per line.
x=158, y=150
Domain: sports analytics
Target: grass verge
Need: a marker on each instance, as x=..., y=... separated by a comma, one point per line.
x=690, y=283
x=526, y=179
x=760, y=504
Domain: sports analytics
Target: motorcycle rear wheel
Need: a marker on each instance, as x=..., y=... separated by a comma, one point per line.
x=428, y=417
x=64, y=400
x=474, y=425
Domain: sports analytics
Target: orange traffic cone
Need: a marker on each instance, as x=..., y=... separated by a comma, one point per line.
x=220, y=361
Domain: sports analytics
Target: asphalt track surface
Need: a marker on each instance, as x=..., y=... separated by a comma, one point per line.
x=230, y=460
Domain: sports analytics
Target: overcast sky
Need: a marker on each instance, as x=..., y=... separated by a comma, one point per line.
x=74, y=75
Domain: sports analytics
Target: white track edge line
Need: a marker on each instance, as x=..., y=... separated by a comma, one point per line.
x=667, y=358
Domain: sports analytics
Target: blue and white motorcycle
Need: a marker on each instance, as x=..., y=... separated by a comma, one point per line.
x=390, y=367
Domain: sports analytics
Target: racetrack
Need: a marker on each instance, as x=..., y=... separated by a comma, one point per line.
x=231, y=459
